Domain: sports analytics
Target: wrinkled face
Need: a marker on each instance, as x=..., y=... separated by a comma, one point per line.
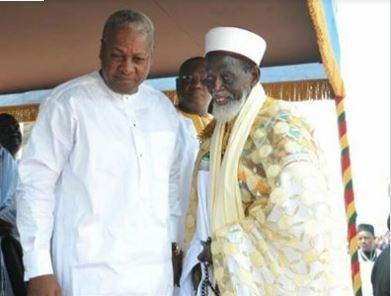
x=192, y=93
x=125, y=57
x=11, y=137
x=366, y=241
x=229, y=84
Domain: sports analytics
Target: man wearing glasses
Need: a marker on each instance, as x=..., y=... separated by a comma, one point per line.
x=193, y=103
x=193, y=96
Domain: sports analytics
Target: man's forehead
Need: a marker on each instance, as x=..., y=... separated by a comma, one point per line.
x=126, y=34
x=365, y=233
x=220, y=62
x=195, y=66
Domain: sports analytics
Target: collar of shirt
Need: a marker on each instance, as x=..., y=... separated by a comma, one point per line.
x=125, y=101
x=114, y=95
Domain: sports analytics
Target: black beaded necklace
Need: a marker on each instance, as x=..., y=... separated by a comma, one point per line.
x=206, y=282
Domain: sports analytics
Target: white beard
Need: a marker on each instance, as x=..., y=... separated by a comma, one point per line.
x=229, y=111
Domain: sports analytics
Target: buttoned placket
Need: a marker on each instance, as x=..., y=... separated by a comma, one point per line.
x=137, y=137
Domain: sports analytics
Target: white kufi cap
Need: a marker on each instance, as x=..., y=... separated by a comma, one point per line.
x=237, y=41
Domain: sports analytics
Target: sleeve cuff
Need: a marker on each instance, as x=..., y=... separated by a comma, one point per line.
x=37, y=263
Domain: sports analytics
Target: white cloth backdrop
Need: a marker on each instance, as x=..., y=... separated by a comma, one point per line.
x=364, y=32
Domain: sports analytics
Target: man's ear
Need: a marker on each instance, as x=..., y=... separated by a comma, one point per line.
x=255, y=75
x=152, y=53
x=104, y=49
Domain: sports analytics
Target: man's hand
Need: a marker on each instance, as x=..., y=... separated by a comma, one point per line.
x=196, y=276
x=45, y=285
x=206, y=254
x=177, y=256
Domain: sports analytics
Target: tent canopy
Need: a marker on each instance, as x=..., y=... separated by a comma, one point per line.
x=46, y=43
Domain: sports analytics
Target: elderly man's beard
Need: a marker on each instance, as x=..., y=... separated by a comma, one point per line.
x=227, y=112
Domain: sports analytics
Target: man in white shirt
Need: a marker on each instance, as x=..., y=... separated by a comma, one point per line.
x=367, y=255
x=98, y=199
x=193, y=102
x=193, y=96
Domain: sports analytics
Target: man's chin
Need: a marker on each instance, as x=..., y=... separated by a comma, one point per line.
x=124, y=88
x=222, y=114
x=196, y=96
x=227, y=111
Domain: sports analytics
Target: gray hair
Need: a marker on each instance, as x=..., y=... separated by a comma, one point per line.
x=136, y=20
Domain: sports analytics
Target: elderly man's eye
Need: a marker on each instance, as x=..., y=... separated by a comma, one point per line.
x=227, y=79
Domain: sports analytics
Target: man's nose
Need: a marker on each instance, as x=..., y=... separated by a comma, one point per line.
x=196, y=81
x=127, y=66
x=217, y=84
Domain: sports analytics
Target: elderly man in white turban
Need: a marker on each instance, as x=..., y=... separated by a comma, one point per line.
x=262, y=226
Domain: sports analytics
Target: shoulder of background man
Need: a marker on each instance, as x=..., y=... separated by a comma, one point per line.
x=381, y=269
x=7, y=162
x=186, y=121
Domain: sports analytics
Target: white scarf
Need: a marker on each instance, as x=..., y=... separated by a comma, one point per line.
x=225, y=205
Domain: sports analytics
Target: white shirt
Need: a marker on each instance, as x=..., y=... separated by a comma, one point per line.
x=201, y=234
x=366, y=267
x=98, y=190
x=190, y=144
